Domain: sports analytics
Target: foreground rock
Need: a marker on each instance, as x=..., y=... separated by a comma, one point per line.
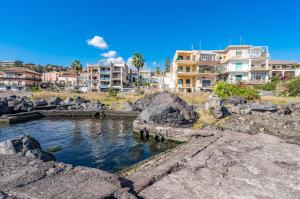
x=166, y=109
x=25, y=146
x=23, y=177
x=226, y=165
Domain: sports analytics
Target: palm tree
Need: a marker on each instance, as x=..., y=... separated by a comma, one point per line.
x=138, y=61
x=166, y=69
x=77, y=67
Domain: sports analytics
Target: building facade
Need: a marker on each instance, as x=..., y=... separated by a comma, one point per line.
x=194, y=70
x=18, y=78
x=104, y=75
x=200, y=69
x=246, y=64
x=7, y=64
x=284, y=69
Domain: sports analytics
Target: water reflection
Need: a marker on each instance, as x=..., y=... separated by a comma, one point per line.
x=108, y=144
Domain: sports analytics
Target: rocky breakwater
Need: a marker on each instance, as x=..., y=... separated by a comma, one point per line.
x=28, y=172
x=258, y=117
x=19, y=109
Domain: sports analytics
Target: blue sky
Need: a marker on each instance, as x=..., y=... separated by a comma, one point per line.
x=57, y=31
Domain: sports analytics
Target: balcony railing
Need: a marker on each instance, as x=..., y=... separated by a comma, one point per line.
x=104, y=71
x=104, y=86
x=259, y=68
x=104, y=78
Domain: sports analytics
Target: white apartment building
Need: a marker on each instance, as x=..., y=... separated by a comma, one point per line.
x=246, y=63
x=104, y=75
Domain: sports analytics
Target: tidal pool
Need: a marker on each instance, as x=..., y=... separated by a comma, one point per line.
x=108, y=144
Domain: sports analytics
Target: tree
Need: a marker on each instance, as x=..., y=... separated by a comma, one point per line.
x=167, y=65
x=166, y=69
x=138, y=62
x=76, y=66
x=158, y=70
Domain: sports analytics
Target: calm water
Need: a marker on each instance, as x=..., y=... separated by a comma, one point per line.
x=107, y=144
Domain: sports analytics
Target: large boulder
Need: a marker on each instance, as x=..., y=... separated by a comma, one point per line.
x=40, y=102
x=55, y=101
x=128, y=106
x=166, y=109
x=4, y=109
x=25, y=145
x=215, y=105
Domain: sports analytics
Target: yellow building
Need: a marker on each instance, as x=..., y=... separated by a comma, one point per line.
x=195, y=70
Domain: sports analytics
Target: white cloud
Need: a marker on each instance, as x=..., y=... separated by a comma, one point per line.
x=110, y=53
x=115, y=60
x=154, y=63
x=97, y=42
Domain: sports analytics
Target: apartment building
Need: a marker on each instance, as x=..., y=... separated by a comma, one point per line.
x=18, y=78
x=119, y=77
x=284, y=69
x=7, y=64
x=104, y=75
x=194, y=70
x=246, y=63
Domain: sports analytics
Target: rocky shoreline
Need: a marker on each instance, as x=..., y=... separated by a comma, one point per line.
x=252, y=153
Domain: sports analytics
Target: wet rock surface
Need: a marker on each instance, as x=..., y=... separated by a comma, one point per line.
x=25, y=145
x=167, y=109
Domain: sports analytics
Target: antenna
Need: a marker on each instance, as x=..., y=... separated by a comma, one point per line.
x=229, y=41
x=200, y=45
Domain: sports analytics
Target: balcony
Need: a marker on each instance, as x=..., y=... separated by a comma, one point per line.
x=104, y=78
x=105, y=72
x=207, y=70
x=259, y=68
x=116, y=77
x=104, y=86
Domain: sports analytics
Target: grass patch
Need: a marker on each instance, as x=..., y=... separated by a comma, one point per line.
x=206, y=118
x=194, y=98
x=278, y=100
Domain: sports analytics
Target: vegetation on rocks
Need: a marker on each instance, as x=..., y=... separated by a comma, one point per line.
x=289, y=88
x=225, y=90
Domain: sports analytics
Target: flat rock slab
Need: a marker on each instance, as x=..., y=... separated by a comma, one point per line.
x=237, y=165
x=23, y=177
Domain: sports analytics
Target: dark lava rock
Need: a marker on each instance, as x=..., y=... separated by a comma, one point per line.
x=235, y=100
x=40, y=102
x=55, y=101
x=215, y=104
x=128, y=106
x=69, y=101
x=264, y=107
x=167, y=109
x=25, y=145
x=4, y=109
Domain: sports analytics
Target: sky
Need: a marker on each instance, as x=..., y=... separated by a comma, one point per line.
x=60, y=31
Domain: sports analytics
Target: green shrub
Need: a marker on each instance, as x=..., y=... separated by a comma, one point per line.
x=289, y=88
x=225, y=90
x=112, y=92
x=35, y=89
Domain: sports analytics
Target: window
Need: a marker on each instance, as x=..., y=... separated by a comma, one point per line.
x=188, y=69
x=206, y=83
x=238, y=53
x=180, y=69
x=180, y=81
x=180, y=58
x=239, y=66
x=188, y=82
x=238, y=77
